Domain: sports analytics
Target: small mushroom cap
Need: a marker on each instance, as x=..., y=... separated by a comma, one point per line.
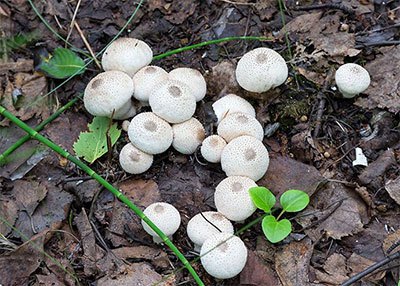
x=223, y=255
x=260, y=70
x=134, y=161
x=211, y=148
x=245, y=156
x=238, y=124
x=165, y=216
x=232, y=103
x=107, y=92
x=193, y=78
x=232, y=198
x=188, y=136
x=199, y=229
x=352, y=79
x=150, y=133
x=127, y=55
x=173, y=101
x=145, y=79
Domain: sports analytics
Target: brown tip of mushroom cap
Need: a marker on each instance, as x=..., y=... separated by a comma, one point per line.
x=245, y=156
x=188, y=136
x=127, y=55
x=133, y=160
x=150, y=133
x=193, y=78
x=239, y=124
x=232, y=198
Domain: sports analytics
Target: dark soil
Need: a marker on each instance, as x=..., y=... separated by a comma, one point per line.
x=47, y=205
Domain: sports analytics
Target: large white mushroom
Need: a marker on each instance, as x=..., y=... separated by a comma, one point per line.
x=188, y=135
x=238, y=124
x=352, y=79
x=260, y=70
x=127, y=55
x=245, y=156
x=145, y=80
x=232, y=103
x=109, y=94
x=133, y=160
x=211, y=148
x=223, y=255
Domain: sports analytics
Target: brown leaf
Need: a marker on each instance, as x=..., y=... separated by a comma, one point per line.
x=8, y=212
x=155, y=256
x=51, y=279
x=357, y=263
x=393, y=189
x=384, y=91
x=256, y=272
x=377, y=168
x=335, y=270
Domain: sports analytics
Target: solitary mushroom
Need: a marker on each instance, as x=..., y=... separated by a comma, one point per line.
x=145, y=80
x=245, y=156
x=205, y=224
x=352, y=79
x=150, y=133
x=260, y=70
x=134, y=161
x=192, y=78
x=232, y=103
x=211, y=148
x=223, y=255
x=109, y=94
x=127, y=55
x=188, y=135
x=165, y=216
x=232, y=198
x=238, y=124
x=173, y=101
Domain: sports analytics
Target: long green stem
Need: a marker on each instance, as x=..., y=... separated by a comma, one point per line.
x=34, y=134
x=202, y=44
x=38, y=128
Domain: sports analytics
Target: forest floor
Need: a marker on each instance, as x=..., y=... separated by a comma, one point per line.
x=58, y=226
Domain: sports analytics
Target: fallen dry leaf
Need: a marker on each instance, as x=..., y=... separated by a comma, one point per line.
x=155, y=256
x=384, y=91
x=335, y=270
x=356, y=263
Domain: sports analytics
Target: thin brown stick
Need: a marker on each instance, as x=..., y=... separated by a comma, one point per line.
x=87, y=44
x=322, y=102
x=71, y=27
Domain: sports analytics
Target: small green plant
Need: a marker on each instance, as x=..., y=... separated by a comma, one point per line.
x=275, y=229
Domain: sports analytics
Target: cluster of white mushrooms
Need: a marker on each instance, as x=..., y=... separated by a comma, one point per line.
x=237, y=145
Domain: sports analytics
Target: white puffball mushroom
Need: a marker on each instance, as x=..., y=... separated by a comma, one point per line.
x=352, y=79
x=133, y=160
x=192, y=78
x=232, y=103
x=238, y=124
x=260, y=70
x=150, y=133
x=110, y=92
x=145, y=79
x=223, y=255
x=188, y=135
x=173, y=101
x=165, y=216
x=211, y=148
x=199, y=229
x=127, y=55
x=245, y=156
x=232, y=198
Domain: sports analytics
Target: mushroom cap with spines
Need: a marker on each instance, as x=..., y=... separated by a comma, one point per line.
x=232, y=198
x=110, y=92
x=165, y=216
x=193, y=78
x=199, y=229
x=188, y=135
x=352, y=79
x=239, y=124
x=150, y=133
x=223, y=255
x=173, y=101
x=232, y=103
x=127, y=55
x=133, y=160
x=245, y=156
x=211, y=148
x=145, y=79
x=261, y=69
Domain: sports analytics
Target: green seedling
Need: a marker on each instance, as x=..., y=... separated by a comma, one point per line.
x=274, y=228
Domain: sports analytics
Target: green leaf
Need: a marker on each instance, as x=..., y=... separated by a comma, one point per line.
x=274, y=230
x=93, y=144
x=62, y=64
x=294, y=200
x=262, y=198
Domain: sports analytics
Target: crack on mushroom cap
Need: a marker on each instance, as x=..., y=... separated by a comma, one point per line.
x=175, y=91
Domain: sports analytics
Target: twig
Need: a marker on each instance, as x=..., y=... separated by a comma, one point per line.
x=381, y=43
x=87, y=44
x=238, y=3
x=325, y=6
x=371, y=269
x=73, y=20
